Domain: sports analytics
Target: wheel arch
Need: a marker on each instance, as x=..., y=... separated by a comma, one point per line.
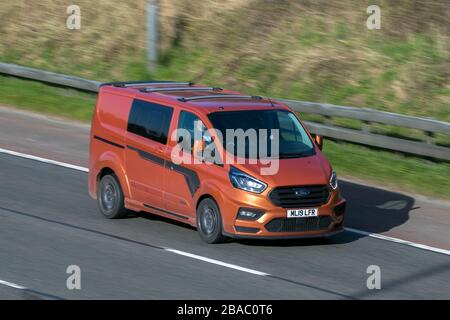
x=109, y=163
x=203, y=197
x=103, y=172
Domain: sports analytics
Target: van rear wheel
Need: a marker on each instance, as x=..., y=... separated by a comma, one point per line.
x=110, y=197
x=209, y=222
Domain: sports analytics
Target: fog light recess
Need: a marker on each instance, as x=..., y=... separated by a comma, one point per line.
x=249, y=214
x=339, y=210
x=246, y=229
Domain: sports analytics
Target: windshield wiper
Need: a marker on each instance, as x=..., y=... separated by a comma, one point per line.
x=295, y=155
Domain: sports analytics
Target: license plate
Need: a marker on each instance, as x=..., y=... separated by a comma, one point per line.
x=302, y=213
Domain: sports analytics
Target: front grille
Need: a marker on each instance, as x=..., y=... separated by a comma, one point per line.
x=299, y=224
x=300, y=196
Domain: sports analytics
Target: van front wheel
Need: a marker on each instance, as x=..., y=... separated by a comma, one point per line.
x=209, y=222
x=110, y=197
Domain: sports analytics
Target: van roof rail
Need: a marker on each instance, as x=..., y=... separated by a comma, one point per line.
x=128, y=84
x=220, y=96
x=148, y=90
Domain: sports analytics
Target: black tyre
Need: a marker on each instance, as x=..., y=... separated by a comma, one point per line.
x=209, y=222
x=110, y=197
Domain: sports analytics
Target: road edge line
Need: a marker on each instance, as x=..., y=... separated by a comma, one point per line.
x=399, y=241
x=12, y=285
x=217, y=262
x=361, y=232
x=49, y=161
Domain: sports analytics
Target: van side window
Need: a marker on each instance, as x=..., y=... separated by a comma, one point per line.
x=150, y=120
x=187, y=121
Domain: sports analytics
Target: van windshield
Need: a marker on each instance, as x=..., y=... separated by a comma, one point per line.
x=255, y=130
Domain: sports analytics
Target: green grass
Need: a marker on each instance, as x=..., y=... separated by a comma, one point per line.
x=46, y=99
x=313, y=51
x=405, y=173
x=386, y=168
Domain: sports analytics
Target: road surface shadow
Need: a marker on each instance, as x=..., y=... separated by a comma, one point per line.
x=375, y=210
x=368, y=209
x=155, y=217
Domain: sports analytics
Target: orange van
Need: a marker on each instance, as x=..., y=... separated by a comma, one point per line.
x=183, y=151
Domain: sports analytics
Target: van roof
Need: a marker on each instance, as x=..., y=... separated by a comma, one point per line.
x=187, y=94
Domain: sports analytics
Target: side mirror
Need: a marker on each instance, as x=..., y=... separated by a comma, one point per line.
x=319, y=141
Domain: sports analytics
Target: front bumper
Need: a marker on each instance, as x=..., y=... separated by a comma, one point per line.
x=274, y=224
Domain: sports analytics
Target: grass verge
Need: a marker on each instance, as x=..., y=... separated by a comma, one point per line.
x=46, y=99
x=406, y=173
x=398, y=171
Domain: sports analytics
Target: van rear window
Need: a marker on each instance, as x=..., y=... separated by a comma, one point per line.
x=150, y=120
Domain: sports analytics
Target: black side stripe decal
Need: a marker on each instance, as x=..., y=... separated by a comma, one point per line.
x=148, y=156
x=167, y=212
x=109, y=142
x=190, y=176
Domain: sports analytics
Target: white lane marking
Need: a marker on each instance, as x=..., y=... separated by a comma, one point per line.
x=217, y=262
x=365, y=233
x=12, y=285
x=401, y=241
x=57, y=163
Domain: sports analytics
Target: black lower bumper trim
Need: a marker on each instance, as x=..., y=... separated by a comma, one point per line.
x=281, y=237
x=246, y=229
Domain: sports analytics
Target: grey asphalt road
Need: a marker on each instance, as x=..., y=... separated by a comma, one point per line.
x=370, y=208
x=42, y=136
x=48, y=222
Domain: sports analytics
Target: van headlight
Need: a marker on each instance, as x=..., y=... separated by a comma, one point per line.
x=334, y=181
x=243, y=181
